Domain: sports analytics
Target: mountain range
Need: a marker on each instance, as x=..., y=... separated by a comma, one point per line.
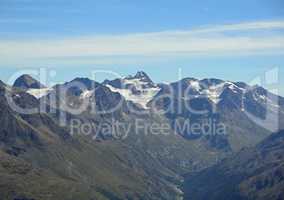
x=42, y=157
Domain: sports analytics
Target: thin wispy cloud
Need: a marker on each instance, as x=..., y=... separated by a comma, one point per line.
x=246, y=26
x=199, y=41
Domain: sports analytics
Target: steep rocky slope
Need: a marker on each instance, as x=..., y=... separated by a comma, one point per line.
x=253, y=173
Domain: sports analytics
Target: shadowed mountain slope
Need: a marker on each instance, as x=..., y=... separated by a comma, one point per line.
x=254, y=173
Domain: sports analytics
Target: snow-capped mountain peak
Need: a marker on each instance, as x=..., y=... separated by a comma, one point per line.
x=139, y=88
x=32, y=86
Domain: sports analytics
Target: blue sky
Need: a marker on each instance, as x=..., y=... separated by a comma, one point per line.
x=233, y=40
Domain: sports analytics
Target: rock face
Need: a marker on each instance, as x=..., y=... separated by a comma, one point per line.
x=27, y=82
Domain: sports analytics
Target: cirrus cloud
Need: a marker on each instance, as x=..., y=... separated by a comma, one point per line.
x=265, y=37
